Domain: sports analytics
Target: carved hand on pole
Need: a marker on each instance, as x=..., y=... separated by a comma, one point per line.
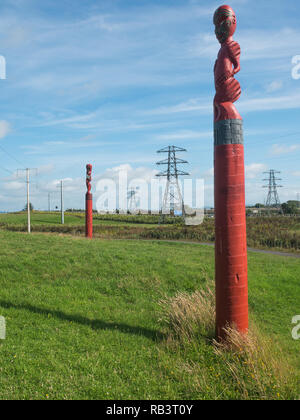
x=228, y=89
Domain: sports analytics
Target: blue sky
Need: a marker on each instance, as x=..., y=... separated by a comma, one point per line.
x=110, y=82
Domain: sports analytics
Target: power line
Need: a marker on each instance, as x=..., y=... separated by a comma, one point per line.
x=6, y=170
x=49, y=198
x=11, y=156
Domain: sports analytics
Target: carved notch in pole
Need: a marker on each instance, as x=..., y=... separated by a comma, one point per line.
x=88, y=204
x=230, y=214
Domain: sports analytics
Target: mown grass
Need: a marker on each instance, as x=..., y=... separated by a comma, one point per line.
x=39, y=219
x=73, y=218
x=278, y=233
x=84, y=320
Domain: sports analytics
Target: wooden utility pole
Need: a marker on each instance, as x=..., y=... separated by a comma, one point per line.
x=27, y=170
x=62, y=202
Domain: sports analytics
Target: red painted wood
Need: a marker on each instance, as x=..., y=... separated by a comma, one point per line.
x=230, y=213
x=88, y=204
x=230, y=239
x=89, y=215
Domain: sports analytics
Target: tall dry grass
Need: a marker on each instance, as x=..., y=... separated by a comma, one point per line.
x=187, y=315
x=248, y=366
x=255, y=364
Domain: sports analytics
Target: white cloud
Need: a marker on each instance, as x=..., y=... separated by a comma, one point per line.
x=14, y=185
x=132, y=173
x=193, y=104
x=45, y=169
x=185, y=135
x=268, y=44
x=274, y=86
x=54, y=143
x=204, y=105
x=277, y=149
x=56, y=146
x=254, y=170
x=270, y=103
x=209, y=173
x=69, y=184
x=71, y=120
x=4, y=129
x=259, y=44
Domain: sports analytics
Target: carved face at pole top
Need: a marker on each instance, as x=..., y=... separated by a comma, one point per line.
x=225, y=23
x=88, y=177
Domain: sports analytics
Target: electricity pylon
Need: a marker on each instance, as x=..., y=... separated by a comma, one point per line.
x=172, y=200
x=132, y=200
x=273, y=197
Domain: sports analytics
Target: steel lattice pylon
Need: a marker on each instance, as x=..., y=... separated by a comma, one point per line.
x=132, y=200
x=172, y=200
x=273, y=197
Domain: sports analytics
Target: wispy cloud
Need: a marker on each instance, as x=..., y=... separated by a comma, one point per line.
x=270, y=103
x=5, y=128
x=200, y=105
x=50, y=147
x=253, y=170
x=141, y=172
x=274, y=86
x=68, y=121
x=263, y=44
x=185, y=135
x=191, y=105
x=209, y=173
x=278, y=149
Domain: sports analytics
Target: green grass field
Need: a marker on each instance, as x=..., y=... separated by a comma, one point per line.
x=54, y=218
x=277, y=233
x=84, y=320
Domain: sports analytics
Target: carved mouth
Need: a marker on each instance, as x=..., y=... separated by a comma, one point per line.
x=221, y=35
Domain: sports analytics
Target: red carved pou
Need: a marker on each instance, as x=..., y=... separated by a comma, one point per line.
x=229, y=180
x=88, y=203
x=228, y=89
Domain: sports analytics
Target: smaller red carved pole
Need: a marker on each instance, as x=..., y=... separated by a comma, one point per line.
x=88, y=204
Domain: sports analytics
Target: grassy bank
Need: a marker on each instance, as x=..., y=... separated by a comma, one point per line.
x=85, y=320
x=262, y=232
